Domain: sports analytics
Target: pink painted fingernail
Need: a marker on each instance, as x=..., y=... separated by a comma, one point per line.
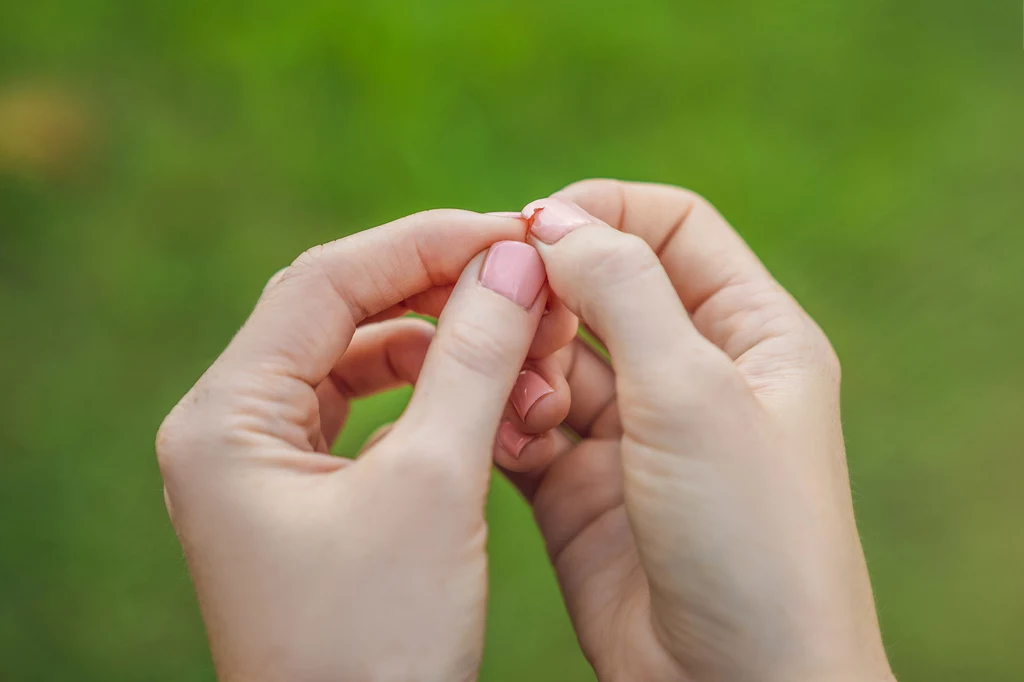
x=551, y=219
x=530, y=387
x=512, y=439
x=514, y=270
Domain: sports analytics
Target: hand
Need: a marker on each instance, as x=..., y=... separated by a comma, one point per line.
x=703, y=528
x=313, y=567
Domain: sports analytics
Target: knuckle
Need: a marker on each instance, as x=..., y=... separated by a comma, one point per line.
x=829, y=358
x=593, y=185
x=817, y=355
x=316, y=261
x=308, y=261
x=274, y=280
x=172, y=439
x=477, y=348
x=439, y=215
x=696, y=201
x=618, y=256
x=687, y=199
x=305, y=266
x=197, y=423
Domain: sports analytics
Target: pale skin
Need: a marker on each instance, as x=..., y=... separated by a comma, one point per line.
x=701, y=525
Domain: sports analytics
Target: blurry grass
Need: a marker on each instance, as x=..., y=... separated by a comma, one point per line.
x=871, y=152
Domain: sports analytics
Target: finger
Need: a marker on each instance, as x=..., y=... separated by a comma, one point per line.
x=617, y=286
x=581, y=486
x=271, y=283
x=700, y=251
x=613, y=280
x=540, y=398
x=593, y=413
x=524, y=458
x=481, y=342
x=593, y=407
x=554, y=332
x=303, y=324
x=557, y=329
x=430, y=302
x=714, y=272
x=557, y=326
x=381, y=356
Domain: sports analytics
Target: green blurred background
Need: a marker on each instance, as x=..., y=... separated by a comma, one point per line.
x=159, y=160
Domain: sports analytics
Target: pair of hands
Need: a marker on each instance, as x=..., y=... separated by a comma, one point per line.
x=701, y=528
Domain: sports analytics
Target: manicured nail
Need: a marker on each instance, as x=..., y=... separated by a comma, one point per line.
x=551, y=219
x=514, y=270
x=530, y=387
x=512, y=439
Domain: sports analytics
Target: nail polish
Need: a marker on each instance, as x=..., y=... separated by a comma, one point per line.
x=530, y=387
x=551, y=219
x=514, y=270
x=512, y=440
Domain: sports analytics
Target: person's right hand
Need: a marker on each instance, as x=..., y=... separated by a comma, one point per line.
x=703, y=528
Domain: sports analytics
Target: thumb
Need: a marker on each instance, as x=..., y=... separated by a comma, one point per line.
x=482, y=339
x=615, y=282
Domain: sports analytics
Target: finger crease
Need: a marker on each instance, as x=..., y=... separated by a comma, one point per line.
x=389, y=362
x=572, y=362
x=436, y=280
x=730, y=282
x=601, y=413
x=557, y=552
x=356, y=310
x=674, y=230
x=621, y=225
x=342, y=385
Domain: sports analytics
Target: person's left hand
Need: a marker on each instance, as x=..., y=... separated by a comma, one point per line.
x=313, y=567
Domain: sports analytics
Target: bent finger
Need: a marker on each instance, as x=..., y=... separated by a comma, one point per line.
x=306, y=320
x=540, y=398
x=382, y=356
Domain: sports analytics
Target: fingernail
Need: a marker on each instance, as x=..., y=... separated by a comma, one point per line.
x=506, y=214
x=530, y=387
x=512, y=439
x=551, y=219
x=514, y=270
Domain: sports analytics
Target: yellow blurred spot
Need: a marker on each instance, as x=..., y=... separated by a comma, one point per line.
x=44, y=131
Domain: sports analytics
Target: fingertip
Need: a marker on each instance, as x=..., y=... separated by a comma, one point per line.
x=540, y=398
x=520, y=452
x=516, y=271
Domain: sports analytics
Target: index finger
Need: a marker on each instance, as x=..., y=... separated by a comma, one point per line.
x=715, y=274
x=700, y=251
x=304, y=323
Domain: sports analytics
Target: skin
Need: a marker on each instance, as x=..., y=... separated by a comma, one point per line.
x=313, y=567
x=701, y=527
